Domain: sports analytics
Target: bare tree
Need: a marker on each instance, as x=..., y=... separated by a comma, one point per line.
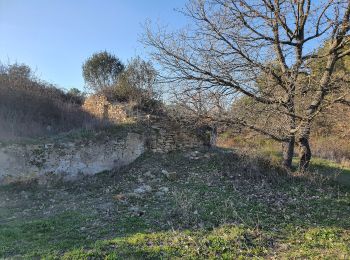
x=231, y=45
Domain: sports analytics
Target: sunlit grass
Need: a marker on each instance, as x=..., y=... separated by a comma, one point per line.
x=222, y=205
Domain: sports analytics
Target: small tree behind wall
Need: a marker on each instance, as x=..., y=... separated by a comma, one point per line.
x=101, y=71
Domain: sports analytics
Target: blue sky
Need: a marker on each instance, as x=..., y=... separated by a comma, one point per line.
x=54, y=37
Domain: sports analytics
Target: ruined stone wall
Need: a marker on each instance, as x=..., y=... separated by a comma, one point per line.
x=163, y=135
x=167, y=136
x=68, y=160
x=100, y=107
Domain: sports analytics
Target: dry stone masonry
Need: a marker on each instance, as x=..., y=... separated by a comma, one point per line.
x=68, y=160
x=163, y=135
x=101, y=108
x=22, y=162
x=167, y=136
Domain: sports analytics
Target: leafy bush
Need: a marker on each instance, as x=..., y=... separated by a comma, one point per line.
x=136, y=84
x=101, y=71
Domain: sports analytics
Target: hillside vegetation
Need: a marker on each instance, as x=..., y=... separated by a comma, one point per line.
x=189, y=205
x=30, y=107
x=235, y=135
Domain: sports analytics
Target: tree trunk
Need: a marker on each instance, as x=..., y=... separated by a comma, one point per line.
x=305, y=155
x=288, y=147
x=305, y=150
x=288, y=152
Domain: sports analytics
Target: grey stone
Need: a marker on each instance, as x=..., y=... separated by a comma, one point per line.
x=165, y=172
x=143, y=189
x=170, y=175
x=149, y=174
x=25, y=162
x=159, y=194
x=134, y=209
x=164, y=189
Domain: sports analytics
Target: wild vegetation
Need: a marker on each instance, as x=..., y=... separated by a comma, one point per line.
x=30, y=107
x=266, y=81
x=134, y=83
x=198, y=204
x=101, y=71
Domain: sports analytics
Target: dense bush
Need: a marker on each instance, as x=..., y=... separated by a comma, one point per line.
x=101, y=71
x=137, y=84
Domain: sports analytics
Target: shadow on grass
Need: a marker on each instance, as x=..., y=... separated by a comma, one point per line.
x=334, y=171
x=331, y=169
x=219, y=204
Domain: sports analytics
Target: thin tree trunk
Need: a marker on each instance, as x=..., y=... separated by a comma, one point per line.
x=305, y=150
x=288, y=152
x=305, y=155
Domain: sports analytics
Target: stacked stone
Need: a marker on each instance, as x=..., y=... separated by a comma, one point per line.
x=95, y=105
x=165, y=138
x=116, y=113
x=100, y=107
x=165, y=135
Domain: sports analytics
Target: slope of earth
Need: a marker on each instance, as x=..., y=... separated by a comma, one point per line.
x=194, y=204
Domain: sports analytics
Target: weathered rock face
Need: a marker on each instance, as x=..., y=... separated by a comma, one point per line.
x=67, y=160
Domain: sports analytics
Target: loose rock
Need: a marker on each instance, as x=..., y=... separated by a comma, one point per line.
x=159, y=194
x=143, y=189
x=148, y=174
x=169, y=175
x=164, y=189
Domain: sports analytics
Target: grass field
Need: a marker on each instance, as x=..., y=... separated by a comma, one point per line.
x=194, y=205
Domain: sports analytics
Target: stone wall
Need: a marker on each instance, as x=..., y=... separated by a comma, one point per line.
x=164, y=135
x=67, y=160
x=100, y=107
x=167, y=136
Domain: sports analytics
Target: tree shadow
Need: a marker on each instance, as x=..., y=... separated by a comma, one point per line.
x=218, y=203
x=333, y=170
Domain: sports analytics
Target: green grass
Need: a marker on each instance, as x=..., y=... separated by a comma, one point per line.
x=219, y=205
x=329, y=168
x=272, y=149
x=227, y=242
x=34, y=237
x=323, y=167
